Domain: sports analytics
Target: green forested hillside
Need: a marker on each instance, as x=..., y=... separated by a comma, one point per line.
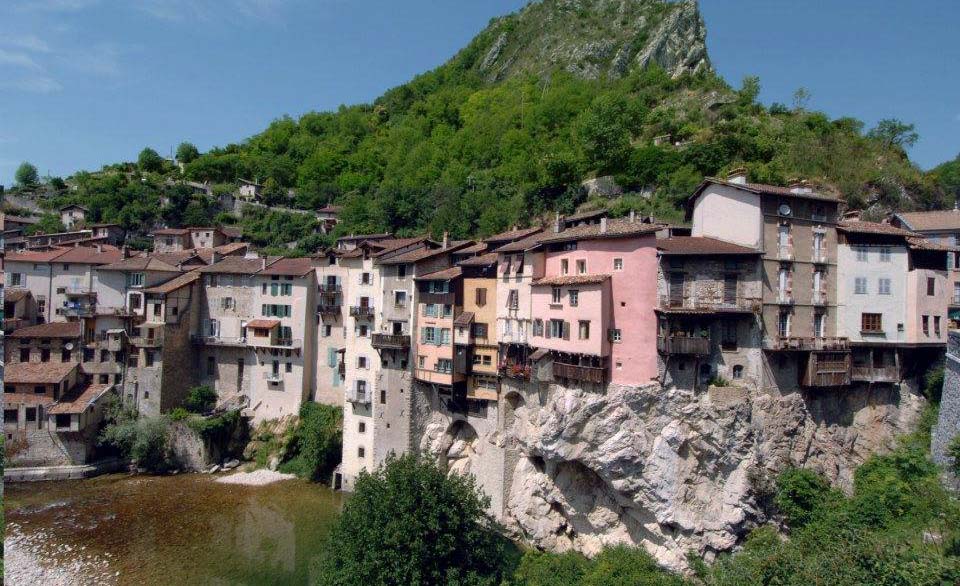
x=462, y=149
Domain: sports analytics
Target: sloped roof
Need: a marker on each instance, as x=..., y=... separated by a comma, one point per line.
x=618, y=228
x=171, y=232
x=174, y=283
x=917, y=243
x=523, y=244
x=420, y=254
x=480, y=261
x=295, y=267
x=90, y=255
x=330, y=209
x=14, y=295
x=465, y=318
x=232, y=231
x=74, y=206
x=700, y=245
x=141, y=263
x=861, y=227
x=365, y=237
x=588, y=215
x=442, y=275
x=474, y=248
x=35, y=255
x=39, y=373
x=56, y=329
x=764, y=189
x=511, y=235
x=572, y=280
x=931, y=221
x=394, y=244
x=237, y=265
x=263, y=324
x=78, y=400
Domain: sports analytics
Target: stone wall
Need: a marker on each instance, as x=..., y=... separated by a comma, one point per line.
x=50, y=448
x=948, y=426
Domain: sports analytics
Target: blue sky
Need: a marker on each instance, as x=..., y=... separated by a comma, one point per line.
x=86, y=82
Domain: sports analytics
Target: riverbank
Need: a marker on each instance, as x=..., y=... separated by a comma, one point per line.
x=37, y=559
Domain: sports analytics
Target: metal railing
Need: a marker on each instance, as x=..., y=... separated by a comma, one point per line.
x=391, y=340
x=218, y=340
x=361, y=311
x=273, y=377
x=810, y=343
x=712, y=303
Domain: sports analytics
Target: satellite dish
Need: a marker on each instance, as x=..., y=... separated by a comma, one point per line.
x=68, y=346
x=784, y=210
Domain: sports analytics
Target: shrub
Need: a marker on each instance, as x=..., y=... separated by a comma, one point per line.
x=410, y=523
x=933, y=384
x=143, y=440
x=628, y=565
x=200, y=399
x=551, y=569
x=953, y=450
x=317, y=441
x=799, y=493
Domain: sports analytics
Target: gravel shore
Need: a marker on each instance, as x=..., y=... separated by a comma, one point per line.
x=259, y=477
x=36, y=559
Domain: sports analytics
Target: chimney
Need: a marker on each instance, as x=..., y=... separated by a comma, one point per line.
x=99, y=248
x=800, y=186
x=446, y=239
x=603, y=225
x=215, y=257
x=125, y=251
x=633, y=216
x=263, y=263
x=737, y=176
x=556, y=223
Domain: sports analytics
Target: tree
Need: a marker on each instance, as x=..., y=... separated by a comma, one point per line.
x=26, y=175
x=410, y=523
x=149, y=161
x=187, y=153
x=894, y=133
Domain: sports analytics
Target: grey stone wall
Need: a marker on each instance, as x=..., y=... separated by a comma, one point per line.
x=948, y=426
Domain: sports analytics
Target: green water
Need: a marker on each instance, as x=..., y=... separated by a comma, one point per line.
x=184, y=529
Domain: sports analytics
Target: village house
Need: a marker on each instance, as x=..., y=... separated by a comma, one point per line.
x=939, y=227
x=19, y=309
x=73, y=215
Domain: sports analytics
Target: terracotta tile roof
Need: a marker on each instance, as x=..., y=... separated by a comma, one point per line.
x=916, y=243
x=171, y=232
x=35, y=255
x=474, y=248
x=174, y=284
x=465, y=318
x=232, y=231
x=931, y=221
x=29, y=399
x=74, y=206
x=425, y=253
x=392, y=245
x=763, y=189
x=263, y=324
x=141, y=263
x=480, y=261
x=586, y=215
x=296, y=267
x=442, y=275
x=39, y=373
x=353, y=237
x=572, y=280
x=90, y=255
x=78, y=400
x=619, y=228
x=14, y=295
x=228, y=249
x=699, y=245
x=523, y=244
x=512, y=235
x=237, y=265
x=55, y=329
x=860, y=227
x=329, y=209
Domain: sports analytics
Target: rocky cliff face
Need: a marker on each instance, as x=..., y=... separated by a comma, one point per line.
x=595, y=38
x=670, y=469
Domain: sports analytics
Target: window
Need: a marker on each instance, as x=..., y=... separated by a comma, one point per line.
x=481, y=297
x=936, y=325
x=860, y=286
x=10, y=415
x=400, y=298
x=956, y=292
x=421, y=361
x=861, y=253
x=871, y=322
x=286, y=289
x=362, y=426
x=401, y=271
x=819, y=324
x=555, y=296
x=783, y=236
x=445, y=337
x=728, y=339
x=737, y=372
x=884, y=254
x=574, y=297
x=16, y=280
x=479, y=330
x=213, y=328
x=361, y=361
x=149, y=358
x=24, y=354
x=538, y=327
x=618, y=264
x=428, y=335
x=44, y=355
x=925, y=320
x=211, y=366
x=365, y=279
x=64, y=356
x=383, y=396
x=783, y=283
x=584, y=330
x=883, y=286
x=818, y=249
x=564, y=267
x=327, y=331
x=513, y=299
x=931, y=286
x=362, y=331
x=581, y=267
x=558, y=329
x=225, y=303
x=135, y=279
x=361, y=452
x=438, y=287
x=444, y=365
x=447, y=310
x=430, y=310
x=783, y=324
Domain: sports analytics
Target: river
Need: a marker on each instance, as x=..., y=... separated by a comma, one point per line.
x=183, y=529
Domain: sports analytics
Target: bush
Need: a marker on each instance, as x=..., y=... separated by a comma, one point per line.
x=143, y=440
x=551, y=569
x=953, y=450
x=317, y=441
x=410, y=523
x=933, y=384
x=799, y=493
x=200, y=399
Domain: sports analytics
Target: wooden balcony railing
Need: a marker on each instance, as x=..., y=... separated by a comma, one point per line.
x=391, y=341
x=591, y=374
x=696, y=346
x=809, y=343
x=711, y=303
x=875, y=374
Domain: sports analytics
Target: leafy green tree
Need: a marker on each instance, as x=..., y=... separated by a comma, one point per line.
x=605, y=131
x=410, y=523
x=48, y=223
x=200, y=399
x=187, y=153
x=799, y=493
x=894, y=133
x=150, y=161
x=26, y=175
x=317, y=441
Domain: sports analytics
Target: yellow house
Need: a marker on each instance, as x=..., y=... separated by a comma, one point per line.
x=476, y=327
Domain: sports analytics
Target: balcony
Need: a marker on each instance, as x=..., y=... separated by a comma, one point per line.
x=240, y=342
x=85, y=310
x=875, y=374
x=361, y=311
x=785, y=253
x=710, y=304
x=330, y=288
x=153, y=339
x=784, y=298
x=327, y=309
x=820, y=257
x=827, y=369
x=516, y=370
x=809, y=343
x=391, y=341
x=264, y=342
x=686, y=345
x=273, y=377
x=361, y=396
x=592, y=374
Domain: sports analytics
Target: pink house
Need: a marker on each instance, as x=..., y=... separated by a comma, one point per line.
x=439, y=302
x=594, y=307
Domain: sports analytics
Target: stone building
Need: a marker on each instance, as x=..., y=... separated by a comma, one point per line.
x=73, y=215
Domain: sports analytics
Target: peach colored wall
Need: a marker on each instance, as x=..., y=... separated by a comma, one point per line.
x=632, y=300
x=920, y=304
x=593, y=306
x=432, y=352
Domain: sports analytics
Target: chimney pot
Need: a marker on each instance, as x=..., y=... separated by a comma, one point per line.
x=633, y=216
x=446, y=239
x=125, y=251
x=263, y=263
x=737, y=176
x=556, y=222
x=603, y=225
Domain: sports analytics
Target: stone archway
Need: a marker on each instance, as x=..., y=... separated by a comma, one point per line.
x=458, y=448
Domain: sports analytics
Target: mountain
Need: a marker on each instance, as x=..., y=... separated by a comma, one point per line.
x=509, y=129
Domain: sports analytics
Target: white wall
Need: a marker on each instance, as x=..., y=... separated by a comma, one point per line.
x=728, y=214
x=850, y=305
